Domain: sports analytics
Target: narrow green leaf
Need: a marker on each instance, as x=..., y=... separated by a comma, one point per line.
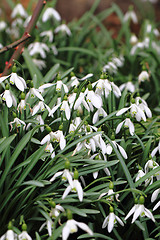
x=50, y=74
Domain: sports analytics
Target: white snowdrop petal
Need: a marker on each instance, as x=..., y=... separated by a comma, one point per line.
x=105, y=222
x=156, y=206
x=55, y=176
x=79, y=190
x=65, y=232
x=123, y=110
x=111, y=222
x=118, y=128
x=84, y=227
x=155, y=195
x=123, y=152
x=66, y=192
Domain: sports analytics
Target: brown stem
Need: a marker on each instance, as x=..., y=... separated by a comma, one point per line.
x=28, y=30
x=15, y=44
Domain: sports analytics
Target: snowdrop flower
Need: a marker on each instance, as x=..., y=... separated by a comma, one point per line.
x=40, y=106
x=71, y=226
x=99, y=113
x=40, y=121
x=129, y=86
x=144, y=106
x=65, y=107
x=39, y=63
x=24, y=234
x=54, y=50
x=48, y=34
x=75, y=81
x=66, y=174
x=22, y=105
x=60, y=84
x=110, y=193
x=102, y=86
x=111, y=219
x=130, y=15
x=15, y=79
x=49, y=149
x=34, y=92
x=18, y=123
x=93, y=99
x=139, y=175
x=75, y=186
x=122, y=151
x=133, y=40
x=155, y=150
x=8, y=97
x=59, y=137
x=97, y=156
x=63, y=28
x=3, y=25
x=50, y=13
x=81, y=100
x=140, y=210
x=38, y=47
x=151, y=164
x=49, y=225
x=127, y=124
x=135, y=111
x=56, y=209
x=143, y=76
x=9, y=235
x=19, y=11
x=154, y=197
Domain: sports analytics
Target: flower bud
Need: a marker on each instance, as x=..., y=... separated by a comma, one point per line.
x=14, y=69
x=58, y=77
x=24, y=227
x=22, y=96
x=65, y=98
x=76, y=174
x=111, y=185
x=10, y=225
x=52, y=204
x=67, y=164
x=14, y=114
x=111, y=209
x=48, y=129
x=61, y=127
x=69, y=214
x=7, y=87
x=141, y=200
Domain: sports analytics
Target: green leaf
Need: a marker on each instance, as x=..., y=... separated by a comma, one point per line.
x=96, y=235
x=50, y=74
x=34, y=183
x=32, y=68
x=6, y=142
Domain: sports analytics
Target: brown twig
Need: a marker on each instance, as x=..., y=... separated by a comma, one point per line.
x=15, y=44
x=28, y=30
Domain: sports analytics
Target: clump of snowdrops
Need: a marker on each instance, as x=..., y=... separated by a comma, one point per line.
x=79, y=151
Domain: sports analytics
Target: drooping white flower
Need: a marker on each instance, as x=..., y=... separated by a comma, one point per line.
x=135, y=111
x=97, y=156
x=74, y=187
x=139, y=175
x=9, y=98
x=129, y=86
x=17, y=122
x=127, y=124
x=66, y=176
x=65, y=107
x=3, y=25
x=38, y=47
x=49, y=225
x=140, y=210
x=56, y=210
x=110, y=220
x=71, y=227
x=81, y=100
x=15, y=79
x=110, y=193
x=39, y=63
x=155, y=150
x=59, y=86
x=24, y=235
x=50, y=13
x=19, y=11
x=121, y=149
x=144, y=106
x=155, y=195
x=34, y=92
x=130, y=15
x=93, y=99
x=40, y=106
x=143, y=76
x=59, y=137
x=47, y=34
x=100, y=112
x=151, y=164
x=133, y=39
x=9, y=235
x=63, y=28
x=75, y=81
